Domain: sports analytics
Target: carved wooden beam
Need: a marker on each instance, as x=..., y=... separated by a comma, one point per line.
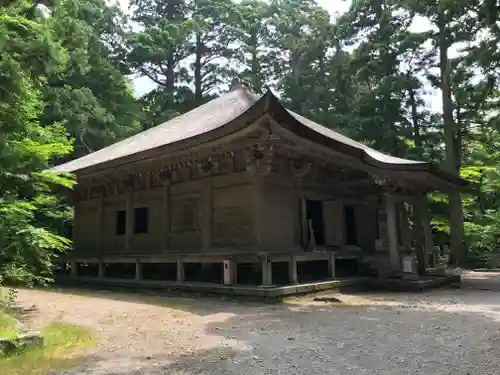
x=300, y=168
x=167, y=176
x=259, y=159
x=208, y=166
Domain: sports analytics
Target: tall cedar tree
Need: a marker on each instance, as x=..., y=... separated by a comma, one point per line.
x=28, y=202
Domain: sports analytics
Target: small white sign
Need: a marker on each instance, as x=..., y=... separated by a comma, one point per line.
x=408, y=265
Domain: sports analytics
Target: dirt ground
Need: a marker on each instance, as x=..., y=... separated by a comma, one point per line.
x=440, y=332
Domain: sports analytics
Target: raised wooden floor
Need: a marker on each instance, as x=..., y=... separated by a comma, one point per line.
x=211, y=288
x=269, y=291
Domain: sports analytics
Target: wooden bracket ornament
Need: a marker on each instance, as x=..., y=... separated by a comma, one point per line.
x=209, y=166
x=167, y=176
x=300, y=169
x=259, y=159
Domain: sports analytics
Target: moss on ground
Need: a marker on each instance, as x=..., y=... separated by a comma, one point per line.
x=63, y=346
x=7, y=325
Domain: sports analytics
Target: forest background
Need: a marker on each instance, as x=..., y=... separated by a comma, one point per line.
x=414, y=78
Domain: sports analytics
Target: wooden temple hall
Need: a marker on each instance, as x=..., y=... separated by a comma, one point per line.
x=242, y=191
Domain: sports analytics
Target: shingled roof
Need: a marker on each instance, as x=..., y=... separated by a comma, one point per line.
x=224, y=109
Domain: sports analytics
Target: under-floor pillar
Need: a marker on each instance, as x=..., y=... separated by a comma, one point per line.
x=100, y=271
x=331, y=266
x=180, y=270
x=292, y=270
x=138, y=270
x=235, y=273
x=229, y=272
x=74, y=268
x=267, y=272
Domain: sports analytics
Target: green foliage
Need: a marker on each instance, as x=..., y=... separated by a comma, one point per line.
x=7, y=326
x=89, y=95
x=27, y=149
x=60, y=81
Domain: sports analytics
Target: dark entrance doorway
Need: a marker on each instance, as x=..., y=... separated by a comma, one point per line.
x=314, y=212
x=351, y=233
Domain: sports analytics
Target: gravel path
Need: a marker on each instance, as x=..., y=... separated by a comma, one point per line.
x=442, y=332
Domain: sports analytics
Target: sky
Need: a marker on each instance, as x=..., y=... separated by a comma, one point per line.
x=142, y=85
x=334, y=6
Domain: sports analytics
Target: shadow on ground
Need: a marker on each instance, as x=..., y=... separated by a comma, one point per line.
x=327, y=339
x=194, y=303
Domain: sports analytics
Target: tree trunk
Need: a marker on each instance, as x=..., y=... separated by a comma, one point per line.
x=255, y=66
x=198, y=85
x=170, y=74
x=324, y=103
x=458, y=254
x=295, y=68
x=417, y=138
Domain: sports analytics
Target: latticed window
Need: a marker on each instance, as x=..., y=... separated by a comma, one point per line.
x=141, y=220
x=188, y=216
x=382, y=227
x=121, y=222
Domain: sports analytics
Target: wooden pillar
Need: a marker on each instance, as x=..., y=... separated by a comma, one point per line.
x=292, y=270
x=101, y=271
x=74, y=268
x=392, y=231
x=180, y=270
x=304, y=226
x=267, y=271
x=207, y=210
x=129, y=219
x=76, y=230
x=229, y=272
x=331, y=266
x=258, y=209
x=100, y=227
x=235, y=273
x=166, y=214
x=405, y=226
x=138, y=269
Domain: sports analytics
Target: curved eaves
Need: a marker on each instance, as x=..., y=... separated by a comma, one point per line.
x=320, y=134
x=381, y=160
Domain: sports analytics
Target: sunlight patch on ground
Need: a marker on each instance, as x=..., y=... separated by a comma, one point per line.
x=345, y=301
x=149, y=297
x=378, y=298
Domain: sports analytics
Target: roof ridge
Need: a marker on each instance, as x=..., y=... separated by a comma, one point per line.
x=144, y=133
x=208, y=116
